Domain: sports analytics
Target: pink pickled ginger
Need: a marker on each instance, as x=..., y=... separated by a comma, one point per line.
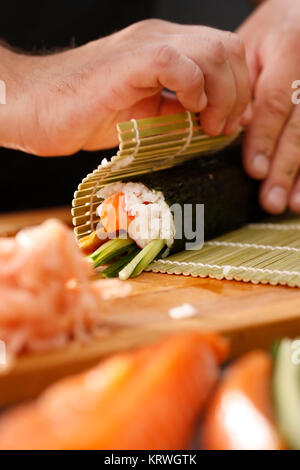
x=45, y=294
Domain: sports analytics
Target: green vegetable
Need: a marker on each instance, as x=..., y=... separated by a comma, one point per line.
x=286, y=391
x=114, y=269
x=110, y=250
x=142, y=260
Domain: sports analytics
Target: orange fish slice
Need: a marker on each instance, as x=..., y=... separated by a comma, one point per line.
x=113, y=216
x=144, y=399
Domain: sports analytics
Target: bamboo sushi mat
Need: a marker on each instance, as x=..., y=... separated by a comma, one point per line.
x=266, y=253
x=258, y=253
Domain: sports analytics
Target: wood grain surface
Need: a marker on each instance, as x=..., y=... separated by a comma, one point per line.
x=10, y=223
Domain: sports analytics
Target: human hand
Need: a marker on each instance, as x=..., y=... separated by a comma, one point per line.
x=60, y=103
x=272, y=144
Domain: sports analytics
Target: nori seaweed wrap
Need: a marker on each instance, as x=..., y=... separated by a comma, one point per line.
x=229, y=196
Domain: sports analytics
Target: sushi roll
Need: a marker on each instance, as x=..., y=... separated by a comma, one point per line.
x=139, y=218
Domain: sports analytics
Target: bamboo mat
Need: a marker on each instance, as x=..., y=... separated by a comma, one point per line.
x=266, y=253
x=261, y=253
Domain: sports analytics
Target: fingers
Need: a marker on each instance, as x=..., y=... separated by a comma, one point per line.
x=276, y=189
x=237, y=57
x=220, y=88
x=163, y=66
x=271, y=146
x=272, y=109
x=221, y=57
x=141, y=73
x=206, y=68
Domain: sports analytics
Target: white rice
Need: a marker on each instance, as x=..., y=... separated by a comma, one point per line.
x=152, y=221
x=182, y=311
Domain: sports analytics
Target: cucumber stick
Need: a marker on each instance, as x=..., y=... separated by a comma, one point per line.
x=142, y=259
x=114, y=269
x=286, y=391
x=110, y=250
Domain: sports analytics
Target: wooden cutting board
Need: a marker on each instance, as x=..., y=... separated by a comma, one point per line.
x=251, y=316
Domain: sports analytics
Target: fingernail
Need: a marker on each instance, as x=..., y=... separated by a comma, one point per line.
x=276, y=199
x=261, y=166
x=296, y=202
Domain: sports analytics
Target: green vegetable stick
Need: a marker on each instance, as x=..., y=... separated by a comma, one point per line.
x=112, y=250
x=142, y=260
x=114, y=269
x=101, y=248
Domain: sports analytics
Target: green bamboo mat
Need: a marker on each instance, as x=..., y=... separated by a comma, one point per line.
x=266, y=253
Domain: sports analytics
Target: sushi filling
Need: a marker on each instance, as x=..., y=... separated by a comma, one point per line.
x=133, y=207
x=144, y=215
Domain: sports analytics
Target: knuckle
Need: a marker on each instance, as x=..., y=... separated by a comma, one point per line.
x=236, y=45
x=276, y=102
x=151, y=23
x=163, y=55
x=218, y=52
x=131, y=30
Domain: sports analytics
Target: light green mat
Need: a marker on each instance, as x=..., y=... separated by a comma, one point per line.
x=267, y=253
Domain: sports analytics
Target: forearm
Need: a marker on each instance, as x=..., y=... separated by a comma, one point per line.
x=12, y=68
x=16, y=78
x=8, y=85
x=10, y=82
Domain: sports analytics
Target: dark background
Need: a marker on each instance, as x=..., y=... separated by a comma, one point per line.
x=27, y=181
x=223, y=14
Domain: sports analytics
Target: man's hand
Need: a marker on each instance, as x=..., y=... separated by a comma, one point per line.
x=272, y=145
x=61, y=103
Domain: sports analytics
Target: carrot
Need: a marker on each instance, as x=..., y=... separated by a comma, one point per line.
x=144, y=399
x=113, y=216
x=240, y=414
